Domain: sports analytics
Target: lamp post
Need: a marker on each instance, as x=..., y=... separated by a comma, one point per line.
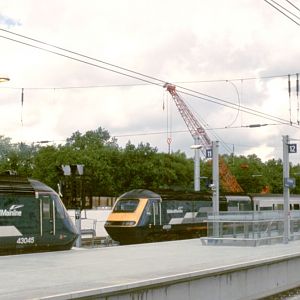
x=196, y=147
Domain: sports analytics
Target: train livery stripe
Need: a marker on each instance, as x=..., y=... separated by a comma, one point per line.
x=9, y=231
x=189, y=217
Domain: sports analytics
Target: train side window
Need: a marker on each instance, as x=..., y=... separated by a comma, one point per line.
x=296, y=206
x=46, y=208
x=266, y=208
x=279, y=207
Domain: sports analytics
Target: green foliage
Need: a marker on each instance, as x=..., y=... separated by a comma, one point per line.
x=111, y=170
x=16, y=157
x=91, y=139
x=249, y=172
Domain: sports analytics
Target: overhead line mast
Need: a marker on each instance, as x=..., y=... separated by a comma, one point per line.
x=228, y=181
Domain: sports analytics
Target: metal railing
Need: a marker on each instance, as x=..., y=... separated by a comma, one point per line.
x=250, y=228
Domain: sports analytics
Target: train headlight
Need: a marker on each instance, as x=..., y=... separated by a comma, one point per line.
x=119, y=223
x=129, y=223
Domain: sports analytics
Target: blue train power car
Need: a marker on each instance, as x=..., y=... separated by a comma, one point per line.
x=32, y=217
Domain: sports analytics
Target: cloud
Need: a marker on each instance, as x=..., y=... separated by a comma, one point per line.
x=9, y=22
x=175, y=42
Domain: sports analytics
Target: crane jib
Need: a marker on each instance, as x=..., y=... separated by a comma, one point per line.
x=197, y=131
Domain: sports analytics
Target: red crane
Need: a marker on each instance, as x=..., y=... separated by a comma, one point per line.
x=228, y=181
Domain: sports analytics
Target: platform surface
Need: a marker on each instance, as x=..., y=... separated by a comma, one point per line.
x=34, y=276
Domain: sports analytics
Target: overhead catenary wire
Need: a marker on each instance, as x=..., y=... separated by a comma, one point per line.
x=82, y=61
x=292, y=4
x=290, y=98
x=234, y=106
x=239, y=103
x=139, y=76
x=285, y=9
x=186, y=130
x=132, y=71
x=297, y=94
x=251, y=111
x=169, y=124
x=207, y=127
x=143, y=84
x=81, y=55
x=22, y=105
x=274, y=6
x=226, y=145
x=126, y=69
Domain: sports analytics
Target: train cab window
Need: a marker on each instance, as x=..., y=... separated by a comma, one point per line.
x=59, y=207
x=126, y=205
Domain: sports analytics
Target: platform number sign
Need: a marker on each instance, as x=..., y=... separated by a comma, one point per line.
x=292, y=148
x=208, y=153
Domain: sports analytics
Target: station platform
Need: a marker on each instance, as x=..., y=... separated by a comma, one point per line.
x=168, y=270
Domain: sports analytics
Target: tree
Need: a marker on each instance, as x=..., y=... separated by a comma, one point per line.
x=273, y=172
x=111, y=170
x=46, y=162
x=249, y=172
x=92, y=138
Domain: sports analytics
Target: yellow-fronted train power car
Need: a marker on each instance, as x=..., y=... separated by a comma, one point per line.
x=141, y=216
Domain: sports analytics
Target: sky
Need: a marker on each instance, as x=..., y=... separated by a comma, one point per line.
x=240, y=52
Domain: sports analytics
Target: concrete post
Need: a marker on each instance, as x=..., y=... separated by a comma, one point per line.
x=215, y=188
x=286, y=191
x=78, y=226
x=215, y=147
x=197, y=165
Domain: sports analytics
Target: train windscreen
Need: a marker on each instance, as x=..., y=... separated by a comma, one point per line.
x=126, y=205
x=60, y=208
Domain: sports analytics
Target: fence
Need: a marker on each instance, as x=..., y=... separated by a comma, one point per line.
x=92, y=225
x=250, y=228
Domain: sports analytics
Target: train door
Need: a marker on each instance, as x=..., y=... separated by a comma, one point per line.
x=47, y=216
x=156, y=211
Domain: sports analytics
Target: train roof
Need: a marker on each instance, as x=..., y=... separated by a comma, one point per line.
x=165, y=195
x=12, y=184
x=40, y=186
x=15, y=184
x=183, y=195
x=139, y=193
